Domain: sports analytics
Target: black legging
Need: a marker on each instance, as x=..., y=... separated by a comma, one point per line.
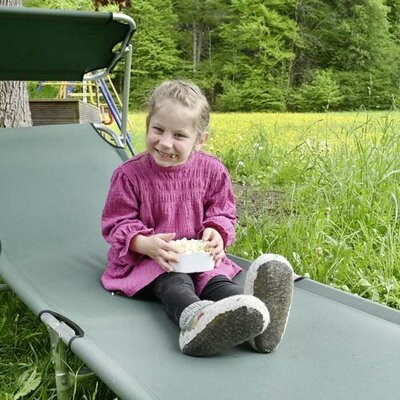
x=176, y=291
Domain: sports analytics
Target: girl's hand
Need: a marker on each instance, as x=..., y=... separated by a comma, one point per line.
x=214, y=243
x=158, y=248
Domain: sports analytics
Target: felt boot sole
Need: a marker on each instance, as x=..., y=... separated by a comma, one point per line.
x=224, y=324
x=270, y=278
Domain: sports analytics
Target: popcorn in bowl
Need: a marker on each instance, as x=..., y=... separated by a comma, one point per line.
x=193, y=256
x=189, y=246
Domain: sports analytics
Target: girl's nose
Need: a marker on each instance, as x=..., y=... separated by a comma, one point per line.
x=166, y=142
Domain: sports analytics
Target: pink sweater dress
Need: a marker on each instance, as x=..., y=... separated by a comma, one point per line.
x=146, y=199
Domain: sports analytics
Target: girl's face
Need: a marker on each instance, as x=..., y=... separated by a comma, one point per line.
x=171, y=135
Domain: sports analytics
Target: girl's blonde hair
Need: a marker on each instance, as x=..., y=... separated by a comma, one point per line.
x=185, y=93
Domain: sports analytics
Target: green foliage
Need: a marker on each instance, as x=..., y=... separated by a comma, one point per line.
x=44, y=92
x=252, y=55
x=361, y=18
x=354, y=41
x=250, y=165
x=23, y=348
x=321, y=94
x=255, y=52
x=337, y=218
x=394, y=19
x=81, y=5
x=26, y=383
x=155, y=54
x=369, y=90
x=253, y=94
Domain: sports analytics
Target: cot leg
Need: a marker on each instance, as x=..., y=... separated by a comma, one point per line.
x=61, y=334
x=63, y=376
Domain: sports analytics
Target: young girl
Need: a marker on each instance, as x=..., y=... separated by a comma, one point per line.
x=175, y=191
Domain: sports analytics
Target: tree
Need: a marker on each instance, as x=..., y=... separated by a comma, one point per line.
x=256, y=54
x=155, y=55
x=394, y=19
x=353, y=40
x=321, y=94
x=14, y=102
x=197, y=20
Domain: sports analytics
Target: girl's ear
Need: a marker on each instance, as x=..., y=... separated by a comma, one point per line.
x=202, y=140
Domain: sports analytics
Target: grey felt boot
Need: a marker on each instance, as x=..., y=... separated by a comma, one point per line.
x=209, y=328
x=270, y=278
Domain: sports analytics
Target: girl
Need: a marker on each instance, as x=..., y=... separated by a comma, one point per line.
x=175, y=191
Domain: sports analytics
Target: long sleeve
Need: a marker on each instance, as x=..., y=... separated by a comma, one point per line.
x=120, y=219
x=220, y=210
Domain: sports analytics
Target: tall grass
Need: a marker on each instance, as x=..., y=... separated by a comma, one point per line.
x=24, y=364
x=321, y=189
x=337, y=220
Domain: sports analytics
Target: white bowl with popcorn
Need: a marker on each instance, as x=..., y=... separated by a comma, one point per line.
x=193, y=256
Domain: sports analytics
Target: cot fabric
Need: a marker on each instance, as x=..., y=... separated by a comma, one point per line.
x=337, y=346
x=147, y=199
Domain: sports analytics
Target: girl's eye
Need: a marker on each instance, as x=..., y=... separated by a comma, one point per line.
x=157, y=130
x=180, y=136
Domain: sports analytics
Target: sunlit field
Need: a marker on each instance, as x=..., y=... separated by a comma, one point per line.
x=238, y=129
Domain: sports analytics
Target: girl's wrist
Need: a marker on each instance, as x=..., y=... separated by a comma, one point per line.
x=138, y=244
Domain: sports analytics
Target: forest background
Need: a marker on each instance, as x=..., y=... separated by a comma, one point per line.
x=258, y=55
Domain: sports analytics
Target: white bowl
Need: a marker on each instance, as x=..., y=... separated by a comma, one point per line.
x=195, y=262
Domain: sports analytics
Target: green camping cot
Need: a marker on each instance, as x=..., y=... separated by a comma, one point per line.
x=53, y=184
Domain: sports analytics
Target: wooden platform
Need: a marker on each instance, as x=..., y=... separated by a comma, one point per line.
x=63, y=111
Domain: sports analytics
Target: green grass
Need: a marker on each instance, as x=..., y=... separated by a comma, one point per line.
x=337, y=219
x=332, y=210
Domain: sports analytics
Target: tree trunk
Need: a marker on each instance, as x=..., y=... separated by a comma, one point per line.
x=14, y=101
x=194, y=32
x=199, y=46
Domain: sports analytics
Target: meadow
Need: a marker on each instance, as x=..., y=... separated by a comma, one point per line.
x=321, y=189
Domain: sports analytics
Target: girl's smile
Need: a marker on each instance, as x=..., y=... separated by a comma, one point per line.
x=165, y=155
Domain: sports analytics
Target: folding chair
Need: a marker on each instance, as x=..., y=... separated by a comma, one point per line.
x=53, y=184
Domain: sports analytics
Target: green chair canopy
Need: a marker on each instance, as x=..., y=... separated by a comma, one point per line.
x=56, y=45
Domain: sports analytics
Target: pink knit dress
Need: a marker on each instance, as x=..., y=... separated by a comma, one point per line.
x=146, y=199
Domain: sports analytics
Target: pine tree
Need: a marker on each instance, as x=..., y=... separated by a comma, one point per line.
x=394, y=19
x=257, y=54
x=351, y=39
x=155, y=50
